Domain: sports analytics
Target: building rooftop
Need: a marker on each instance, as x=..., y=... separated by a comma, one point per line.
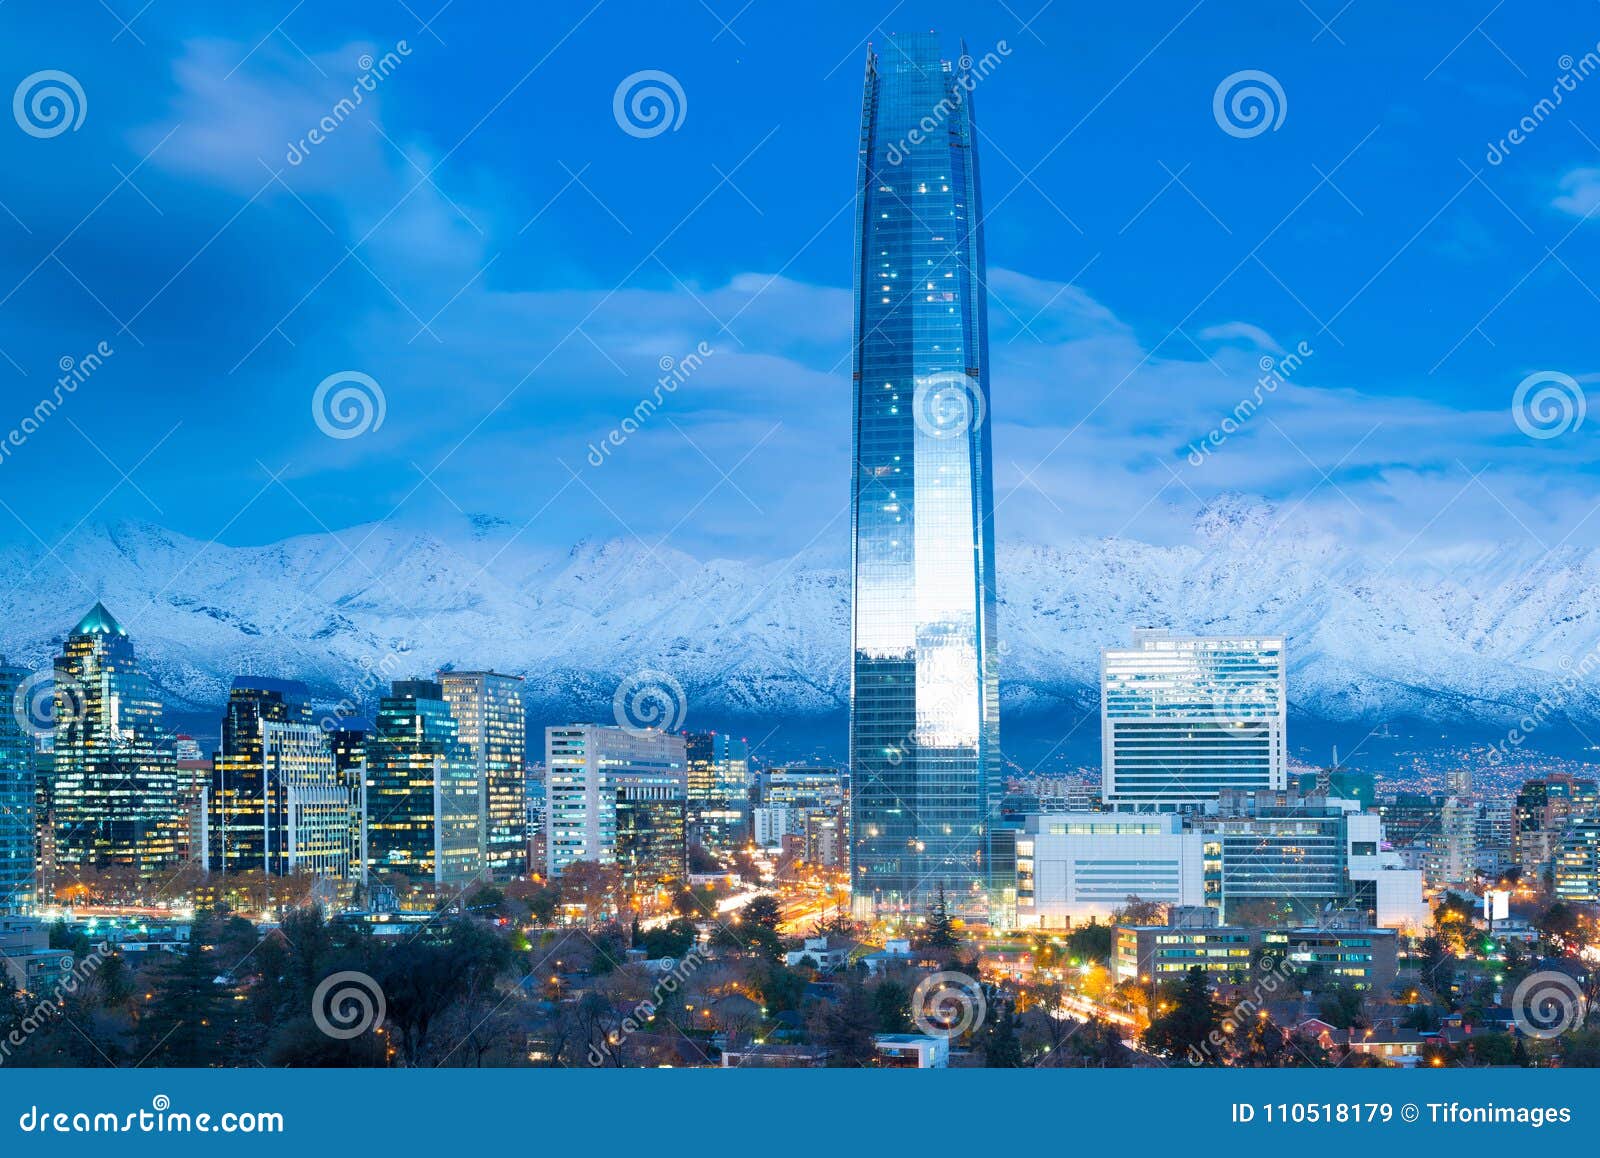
x=98, y=621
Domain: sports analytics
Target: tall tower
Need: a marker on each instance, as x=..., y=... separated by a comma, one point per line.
x=116, y=779
x=924, y=696
x=422, y=798
x=492, y=725
x=17, y=890
x=277, y=802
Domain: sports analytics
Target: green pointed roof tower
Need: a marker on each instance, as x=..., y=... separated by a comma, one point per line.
x=98, y=621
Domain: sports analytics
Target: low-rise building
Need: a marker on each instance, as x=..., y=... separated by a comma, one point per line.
x=26, y=960
x=827, y=957
x=1364, y=958
x=913, y=1051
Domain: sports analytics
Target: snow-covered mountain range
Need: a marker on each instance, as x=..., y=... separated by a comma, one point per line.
x=1472, y=635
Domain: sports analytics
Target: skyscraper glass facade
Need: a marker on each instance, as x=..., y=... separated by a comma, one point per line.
x=277, y=802
x=422, y=796
x=16, y=798
x=590, y=769
x=493, y=728
x=924, y=721
x=116, y=800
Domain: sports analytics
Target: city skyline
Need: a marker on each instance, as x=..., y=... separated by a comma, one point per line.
x=519, y=556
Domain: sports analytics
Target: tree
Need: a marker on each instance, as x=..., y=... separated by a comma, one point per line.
x=764, y=911
x=1001, y=1049
x=1559, y=925
x=891, y=1005
x=939, y=931
x=1193, y=1026
x=595, y=887
x=187, y=1017
x=1091, y=942
x=1136, y=911
x=846, y=1028
x=672, y=940
x=1438, y=967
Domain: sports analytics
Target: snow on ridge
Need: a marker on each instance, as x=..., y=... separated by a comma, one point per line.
x=1476, y=633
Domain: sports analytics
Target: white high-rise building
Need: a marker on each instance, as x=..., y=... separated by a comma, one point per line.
x=587, y=769
x=1182, y=719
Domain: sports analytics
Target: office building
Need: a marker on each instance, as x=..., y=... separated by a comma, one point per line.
x=1074, y=867
x=17, y=787
x=1382, y=886
x=1577, y=864
x=924, y=705
x=810, y=804
x=718, y=766
x=1541, y=813
x=1290, y=853
x=1341, y=782
x=493, y=728
x=1494, y=836
x=589, y=771
x=536, y=806
x=347, y=737
x=650, y=847
x=422, y=795
x=1185, y=719
x=115, y=795
x=1359, y=958
x=276, y=802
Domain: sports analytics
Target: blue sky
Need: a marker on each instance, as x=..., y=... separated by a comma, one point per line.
x=484, y=240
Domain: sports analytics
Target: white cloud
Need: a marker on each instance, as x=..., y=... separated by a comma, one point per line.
x=1580, y=192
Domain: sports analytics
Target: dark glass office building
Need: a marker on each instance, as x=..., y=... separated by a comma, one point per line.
x=924, y=719
x=116, y=800
x=16, y=797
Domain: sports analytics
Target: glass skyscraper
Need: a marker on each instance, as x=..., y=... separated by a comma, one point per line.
x=277, y=802
x=116, y=797
x=422, y=796
x=16, y=796
x=493, y=728
x=924, y=711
